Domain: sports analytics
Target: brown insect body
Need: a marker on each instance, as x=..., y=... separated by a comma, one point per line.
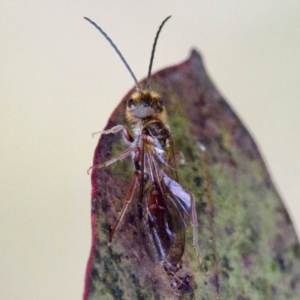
x=162, y=201
x=161, y=222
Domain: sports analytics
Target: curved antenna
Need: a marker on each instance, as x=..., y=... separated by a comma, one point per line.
x=118, y=52
x=153, y=50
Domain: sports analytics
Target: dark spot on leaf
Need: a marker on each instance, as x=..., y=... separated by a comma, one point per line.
x=105, y=206
x=131, y=219
x=294, y=282
x=284, y=264
x=197, y=181
x=189, y=154
x=225, y=275
x=94, y=274
x=214, y=280
x=284, y=213
x=226, y=263
x=229, y=229
x=115, y=257
x=281, y=262
x=117, y=292
x=296, y=250
x=202, y=207
x=106, y=228
x=278, y=246
x=248, y=260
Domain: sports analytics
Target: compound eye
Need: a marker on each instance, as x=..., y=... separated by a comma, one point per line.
x=131, y=104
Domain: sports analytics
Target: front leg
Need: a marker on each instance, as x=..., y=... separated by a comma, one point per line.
x=135, y=150
x=116, y=129
x=124, y=154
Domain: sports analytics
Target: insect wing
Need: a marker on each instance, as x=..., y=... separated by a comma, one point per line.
x=162, y=227
x=171, y=171
x=183, y=197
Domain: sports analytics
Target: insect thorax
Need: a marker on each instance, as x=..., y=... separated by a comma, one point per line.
x=158, y=132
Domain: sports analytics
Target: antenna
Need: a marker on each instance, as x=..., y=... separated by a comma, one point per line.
x=153, y=50
x=118, y=52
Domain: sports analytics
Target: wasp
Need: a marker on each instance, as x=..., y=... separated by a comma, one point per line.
x=162, y=202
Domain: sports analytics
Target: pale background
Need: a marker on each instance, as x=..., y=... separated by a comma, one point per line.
x=60, y=80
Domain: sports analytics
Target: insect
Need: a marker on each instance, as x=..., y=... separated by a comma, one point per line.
x=162, y=202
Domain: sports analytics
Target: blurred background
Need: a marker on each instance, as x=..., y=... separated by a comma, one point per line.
x=60, y=80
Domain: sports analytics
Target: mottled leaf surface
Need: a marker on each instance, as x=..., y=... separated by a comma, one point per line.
x=245, y=234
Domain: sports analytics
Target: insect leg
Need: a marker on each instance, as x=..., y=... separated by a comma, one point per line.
x=119, y=157
x=116, y=129
x=194, y=223
x=128, y=200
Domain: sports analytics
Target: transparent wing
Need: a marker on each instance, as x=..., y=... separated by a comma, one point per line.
x=161, y=220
